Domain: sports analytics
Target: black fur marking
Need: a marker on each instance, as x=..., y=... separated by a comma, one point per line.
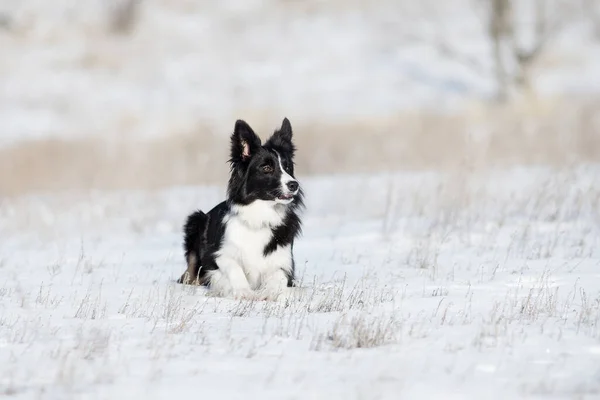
x=286, y=233
x=203, y=234
x=193, y=230
x=281, y=141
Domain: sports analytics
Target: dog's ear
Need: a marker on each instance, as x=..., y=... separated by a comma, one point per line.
x=285, y=132
x=244, y=142
x=282, y=138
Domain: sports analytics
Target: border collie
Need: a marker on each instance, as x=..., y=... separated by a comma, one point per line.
x=243, y=247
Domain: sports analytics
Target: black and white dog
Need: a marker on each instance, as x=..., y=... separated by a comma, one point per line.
x=244, y=246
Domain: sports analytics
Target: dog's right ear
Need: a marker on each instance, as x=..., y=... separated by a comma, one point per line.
x=244, y=142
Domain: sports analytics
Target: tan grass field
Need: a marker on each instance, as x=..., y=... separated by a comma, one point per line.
x=556, y=133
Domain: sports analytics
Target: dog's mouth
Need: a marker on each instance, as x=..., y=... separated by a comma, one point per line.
x=285, y=197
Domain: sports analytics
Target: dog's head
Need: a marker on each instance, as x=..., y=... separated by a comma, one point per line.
x=263, y=172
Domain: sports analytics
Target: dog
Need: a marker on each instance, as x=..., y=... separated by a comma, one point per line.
x=243, y=247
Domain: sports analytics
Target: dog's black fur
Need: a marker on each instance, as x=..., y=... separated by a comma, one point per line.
x=255, y=175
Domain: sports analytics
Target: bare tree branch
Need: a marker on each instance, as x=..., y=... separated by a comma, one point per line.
x=472, y=62
x=123, y=16
x=592, y=8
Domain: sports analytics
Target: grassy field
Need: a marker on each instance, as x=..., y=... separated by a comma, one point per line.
x=459, y=284
x=541, y=132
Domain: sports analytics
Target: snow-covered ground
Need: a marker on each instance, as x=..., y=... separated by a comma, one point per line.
x=187, y=64
x=414, y=285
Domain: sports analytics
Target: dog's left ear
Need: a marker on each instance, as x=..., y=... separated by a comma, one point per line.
x=282, y=138
x=286, y=130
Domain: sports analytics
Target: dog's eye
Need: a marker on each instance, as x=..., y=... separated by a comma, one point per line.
x=267, y=169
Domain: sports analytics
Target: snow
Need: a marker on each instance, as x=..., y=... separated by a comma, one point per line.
x=438, y=285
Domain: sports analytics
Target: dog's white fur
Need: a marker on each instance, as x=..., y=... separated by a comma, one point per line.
x=244, y=271
x=285, y=179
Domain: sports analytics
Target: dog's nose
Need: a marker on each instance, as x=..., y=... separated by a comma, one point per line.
x=292, y=186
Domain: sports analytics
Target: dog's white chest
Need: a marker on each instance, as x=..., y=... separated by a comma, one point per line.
x=245, y=242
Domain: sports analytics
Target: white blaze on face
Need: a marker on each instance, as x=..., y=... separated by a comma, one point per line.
x=285, y=178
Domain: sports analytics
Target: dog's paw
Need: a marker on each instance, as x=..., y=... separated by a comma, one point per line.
x=271, y=296
x=282, y=294
x=246, y=294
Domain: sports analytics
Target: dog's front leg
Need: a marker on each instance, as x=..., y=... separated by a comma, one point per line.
x=274, y=285
x=230, y=280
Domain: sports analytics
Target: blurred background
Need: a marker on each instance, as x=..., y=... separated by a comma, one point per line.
x=113, y=94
